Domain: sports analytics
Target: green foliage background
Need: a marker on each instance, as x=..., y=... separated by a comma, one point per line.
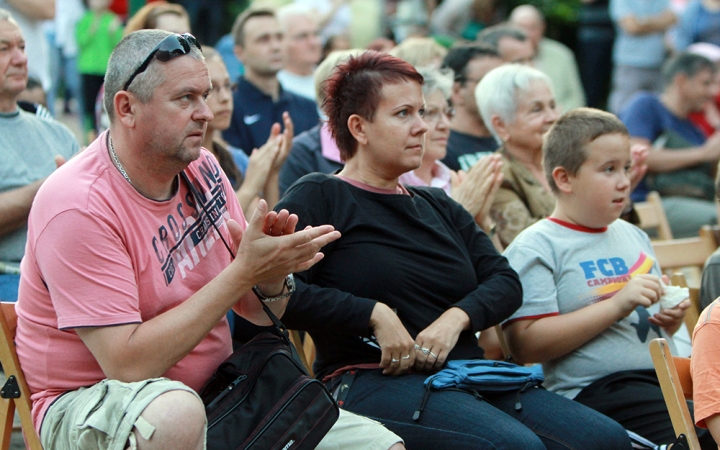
x=555, y=11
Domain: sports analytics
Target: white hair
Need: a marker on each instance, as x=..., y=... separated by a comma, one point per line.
x=288, y=12
x=6, y=16
x=436, y=80
x=499, y=92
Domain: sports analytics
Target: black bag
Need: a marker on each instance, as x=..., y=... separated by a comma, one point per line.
x=262, y=398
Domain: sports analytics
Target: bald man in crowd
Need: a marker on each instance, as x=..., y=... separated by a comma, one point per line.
x=551, y=57
x=301, y=48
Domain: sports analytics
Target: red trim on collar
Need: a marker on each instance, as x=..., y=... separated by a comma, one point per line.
x=577, y=227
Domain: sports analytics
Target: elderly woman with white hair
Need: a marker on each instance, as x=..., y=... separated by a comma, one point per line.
x=518, y=106
x=476, y=189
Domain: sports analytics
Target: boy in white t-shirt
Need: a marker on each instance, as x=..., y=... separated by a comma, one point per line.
x=591, y=283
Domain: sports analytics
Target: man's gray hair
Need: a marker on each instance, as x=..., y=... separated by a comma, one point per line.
x=436, y=80
x=127, y=57
x=492, y=35
x=289, y=12
x=499, y=92
x=5, y=15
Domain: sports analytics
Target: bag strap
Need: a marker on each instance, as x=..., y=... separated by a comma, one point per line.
x=281, y=328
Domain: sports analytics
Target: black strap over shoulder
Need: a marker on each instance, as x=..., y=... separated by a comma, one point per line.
x=281, y=328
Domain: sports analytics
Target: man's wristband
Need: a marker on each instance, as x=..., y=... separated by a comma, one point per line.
x=289, y=283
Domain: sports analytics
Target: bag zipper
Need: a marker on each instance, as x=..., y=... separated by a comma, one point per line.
x=227, y=390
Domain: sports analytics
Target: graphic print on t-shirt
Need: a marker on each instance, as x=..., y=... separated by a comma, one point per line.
x=189, y=233
x=608, y=276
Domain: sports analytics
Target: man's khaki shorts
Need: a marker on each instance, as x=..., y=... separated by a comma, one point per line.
x=354, y=432
x=103, y=416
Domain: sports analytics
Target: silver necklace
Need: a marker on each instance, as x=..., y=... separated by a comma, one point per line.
x=116, y=161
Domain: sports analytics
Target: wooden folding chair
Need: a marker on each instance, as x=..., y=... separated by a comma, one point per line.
x=692, y=314
x=676, y=254
x=714, y=230
x=309, y=350
x=652, y=216
x=305, y=349
x=676, y=384
x=15, y=392
x=503, y=343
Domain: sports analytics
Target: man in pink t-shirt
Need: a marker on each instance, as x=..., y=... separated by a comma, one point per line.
x=129, y=272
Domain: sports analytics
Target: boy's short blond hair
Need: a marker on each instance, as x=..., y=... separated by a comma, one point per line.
x=564, y=144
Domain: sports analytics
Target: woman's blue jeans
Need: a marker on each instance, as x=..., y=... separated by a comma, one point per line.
x=458, y=420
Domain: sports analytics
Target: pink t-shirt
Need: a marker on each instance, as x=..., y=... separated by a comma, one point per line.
x=328, y=145
x=441, y=178
x=99, y=253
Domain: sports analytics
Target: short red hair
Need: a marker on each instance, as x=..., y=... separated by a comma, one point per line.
x=355, y=87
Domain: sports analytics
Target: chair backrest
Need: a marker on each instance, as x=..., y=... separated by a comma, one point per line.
x=309, y=350
x=652, y=216
x=692, y=314
x=714, y=230
x=15, y=393
x=673, y=372
x=503, y=344
x=692, y=252
x=305, y=349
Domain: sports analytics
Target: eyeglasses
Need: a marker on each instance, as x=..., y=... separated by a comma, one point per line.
x=435, y=114
x=169, y=48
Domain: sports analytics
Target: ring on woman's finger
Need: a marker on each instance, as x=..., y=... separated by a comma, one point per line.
x=425, y=350
x=406, y=357
x=393, y=360
x=433, y=355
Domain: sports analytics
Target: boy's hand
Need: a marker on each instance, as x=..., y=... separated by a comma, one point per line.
x=641, y=290
x=671, y=319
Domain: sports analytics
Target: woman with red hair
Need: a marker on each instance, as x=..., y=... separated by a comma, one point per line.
x=410, y=282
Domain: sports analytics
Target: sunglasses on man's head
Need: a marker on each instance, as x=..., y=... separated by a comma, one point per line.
x=169, y=48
